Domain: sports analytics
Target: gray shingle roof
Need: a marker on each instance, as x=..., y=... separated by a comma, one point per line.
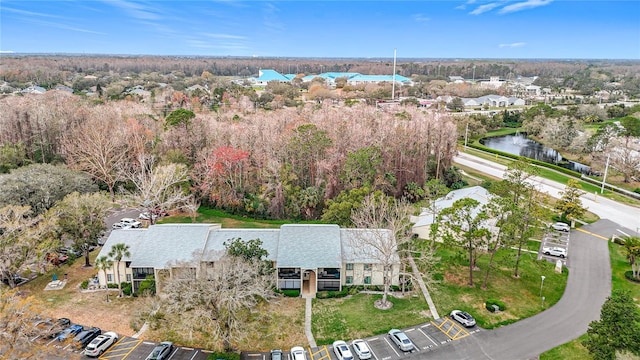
x=269, y=238
x=353, y=252
x=309, y=246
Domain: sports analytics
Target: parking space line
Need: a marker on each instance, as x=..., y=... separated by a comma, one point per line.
x=371, y=349
x=392, y=348
x=321, y=350
x=428, y=337
x=174, y=352
x=124, y=356
x=194, y=354
x=451, y=327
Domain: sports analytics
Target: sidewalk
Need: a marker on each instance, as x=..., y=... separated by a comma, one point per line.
x=307, y=322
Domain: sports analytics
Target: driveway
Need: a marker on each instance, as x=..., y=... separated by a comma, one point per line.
x=588, y=286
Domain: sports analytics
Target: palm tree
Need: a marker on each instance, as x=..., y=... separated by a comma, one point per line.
x=102, y=264
x=118, y=251
x=632, y=249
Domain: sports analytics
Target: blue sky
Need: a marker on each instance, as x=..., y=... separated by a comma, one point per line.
x=522, y=29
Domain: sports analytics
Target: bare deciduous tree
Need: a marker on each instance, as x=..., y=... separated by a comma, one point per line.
x=18, y=240
x=382, y=213
x=219, y=299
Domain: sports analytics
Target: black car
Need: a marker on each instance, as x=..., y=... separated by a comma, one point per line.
x=84, y=337
x=276, y=354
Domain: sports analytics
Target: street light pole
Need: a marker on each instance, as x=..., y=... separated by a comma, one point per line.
x=604, y=178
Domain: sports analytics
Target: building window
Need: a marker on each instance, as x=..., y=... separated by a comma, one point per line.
x=349, y=279
x=367, y=280
x=128, y=277
x=109, y=278
x=349, y=266
x=368, y=267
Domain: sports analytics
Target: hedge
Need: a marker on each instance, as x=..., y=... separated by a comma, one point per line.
x=489, y=305
x=332, y=294
x=629, y=276
x=290, y=293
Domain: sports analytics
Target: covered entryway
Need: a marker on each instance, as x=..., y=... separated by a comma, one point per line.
x=309, y=283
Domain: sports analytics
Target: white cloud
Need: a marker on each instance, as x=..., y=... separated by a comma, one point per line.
x=223, y=36
x=136, y=10
x=484, y=8
x=29, y=13
x=420, y=18
x=528, y=4
x=512, y=45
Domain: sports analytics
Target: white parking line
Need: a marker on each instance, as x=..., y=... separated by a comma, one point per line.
x=428, y=337
x=391, y=346
x=173, y=353
x=371, y=349
x=148, y=343
x=194, y=355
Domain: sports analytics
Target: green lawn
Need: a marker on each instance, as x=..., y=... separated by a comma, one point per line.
x=356, y=317
x=215, y=216
x=520, y=295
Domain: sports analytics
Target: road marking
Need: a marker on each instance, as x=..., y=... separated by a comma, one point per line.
x=392, y=348
x=430, y=339
x=622, y=232
x=451, y=327
x=194, y=355
x=148, y=343
x=592, y=234
x=174, y=352
x=409, y=330
x=138, y=342
x=371, y=349
x=187, y=348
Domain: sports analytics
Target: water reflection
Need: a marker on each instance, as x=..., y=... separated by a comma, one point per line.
x=519, y=144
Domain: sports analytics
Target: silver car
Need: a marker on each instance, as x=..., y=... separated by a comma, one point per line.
x=401, y=340
x=361, y=349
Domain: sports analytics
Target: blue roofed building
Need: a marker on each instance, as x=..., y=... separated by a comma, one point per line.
x=266, y=75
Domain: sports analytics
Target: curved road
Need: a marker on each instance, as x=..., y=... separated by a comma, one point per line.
x=588, y=285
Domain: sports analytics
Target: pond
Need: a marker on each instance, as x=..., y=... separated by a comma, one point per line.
x=519, y=144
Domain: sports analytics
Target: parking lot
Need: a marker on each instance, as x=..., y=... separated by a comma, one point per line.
x=555, y=239
x=425, y=337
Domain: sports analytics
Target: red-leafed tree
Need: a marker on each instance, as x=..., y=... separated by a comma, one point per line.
x=222, y=174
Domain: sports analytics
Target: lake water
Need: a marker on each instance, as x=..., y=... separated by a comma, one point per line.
x=519, y=144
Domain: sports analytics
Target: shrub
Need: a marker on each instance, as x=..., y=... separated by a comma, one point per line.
x=223, y=356
x=291, y=293
x=126, y=288
x=489, y=305
x=148, y=286
x=618, y=240
x=85, y=284
x=332, y=294
x=629, y=276
x=112, y=286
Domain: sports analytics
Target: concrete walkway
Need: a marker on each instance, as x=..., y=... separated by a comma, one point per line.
x=307, y=322
x=423, y=287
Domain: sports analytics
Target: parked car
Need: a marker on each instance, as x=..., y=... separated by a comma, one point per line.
x=560, y=226
x=56, y=259
x=68, y=332
x=100, y=344
x=555, y=251
x=297, y=353
x=118, y=226
x=84, y=337
x=162, y=351
x=17, y=280
x=361, y=349
x=341, y=349
x=130, y=222
x=464, y=318
x=146, y=216
x=70, y=251
x=401, y=340
x=276, y=354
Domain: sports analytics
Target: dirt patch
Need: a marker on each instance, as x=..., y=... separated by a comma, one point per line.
x=85, y=308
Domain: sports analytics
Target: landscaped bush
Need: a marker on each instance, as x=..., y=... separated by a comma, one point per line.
x=126, y=288
x=618, y=240
x=148, y=286
x=290, y=293
x=489, y=305
x=85, y=284
x=223, y=356
x=629, y=276
x=112, y=286
x=332, y=294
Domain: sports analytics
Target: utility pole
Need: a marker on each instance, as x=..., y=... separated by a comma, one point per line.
x=393, y=81
x=466, y=135
x=604, y=178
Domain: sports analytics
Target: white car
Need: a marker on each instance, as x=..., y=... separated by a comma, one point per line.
x=297, y=353
x=145, y=216
x=129, y=222
x=100, y=344
x=361, y=349
x=341, y=349
x=560, y=226
x=463, y=318
x=555, y=251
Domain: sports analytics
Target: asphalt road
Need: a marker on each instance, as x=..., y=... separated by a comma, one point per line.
x=624, y=215
x=588, y=286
